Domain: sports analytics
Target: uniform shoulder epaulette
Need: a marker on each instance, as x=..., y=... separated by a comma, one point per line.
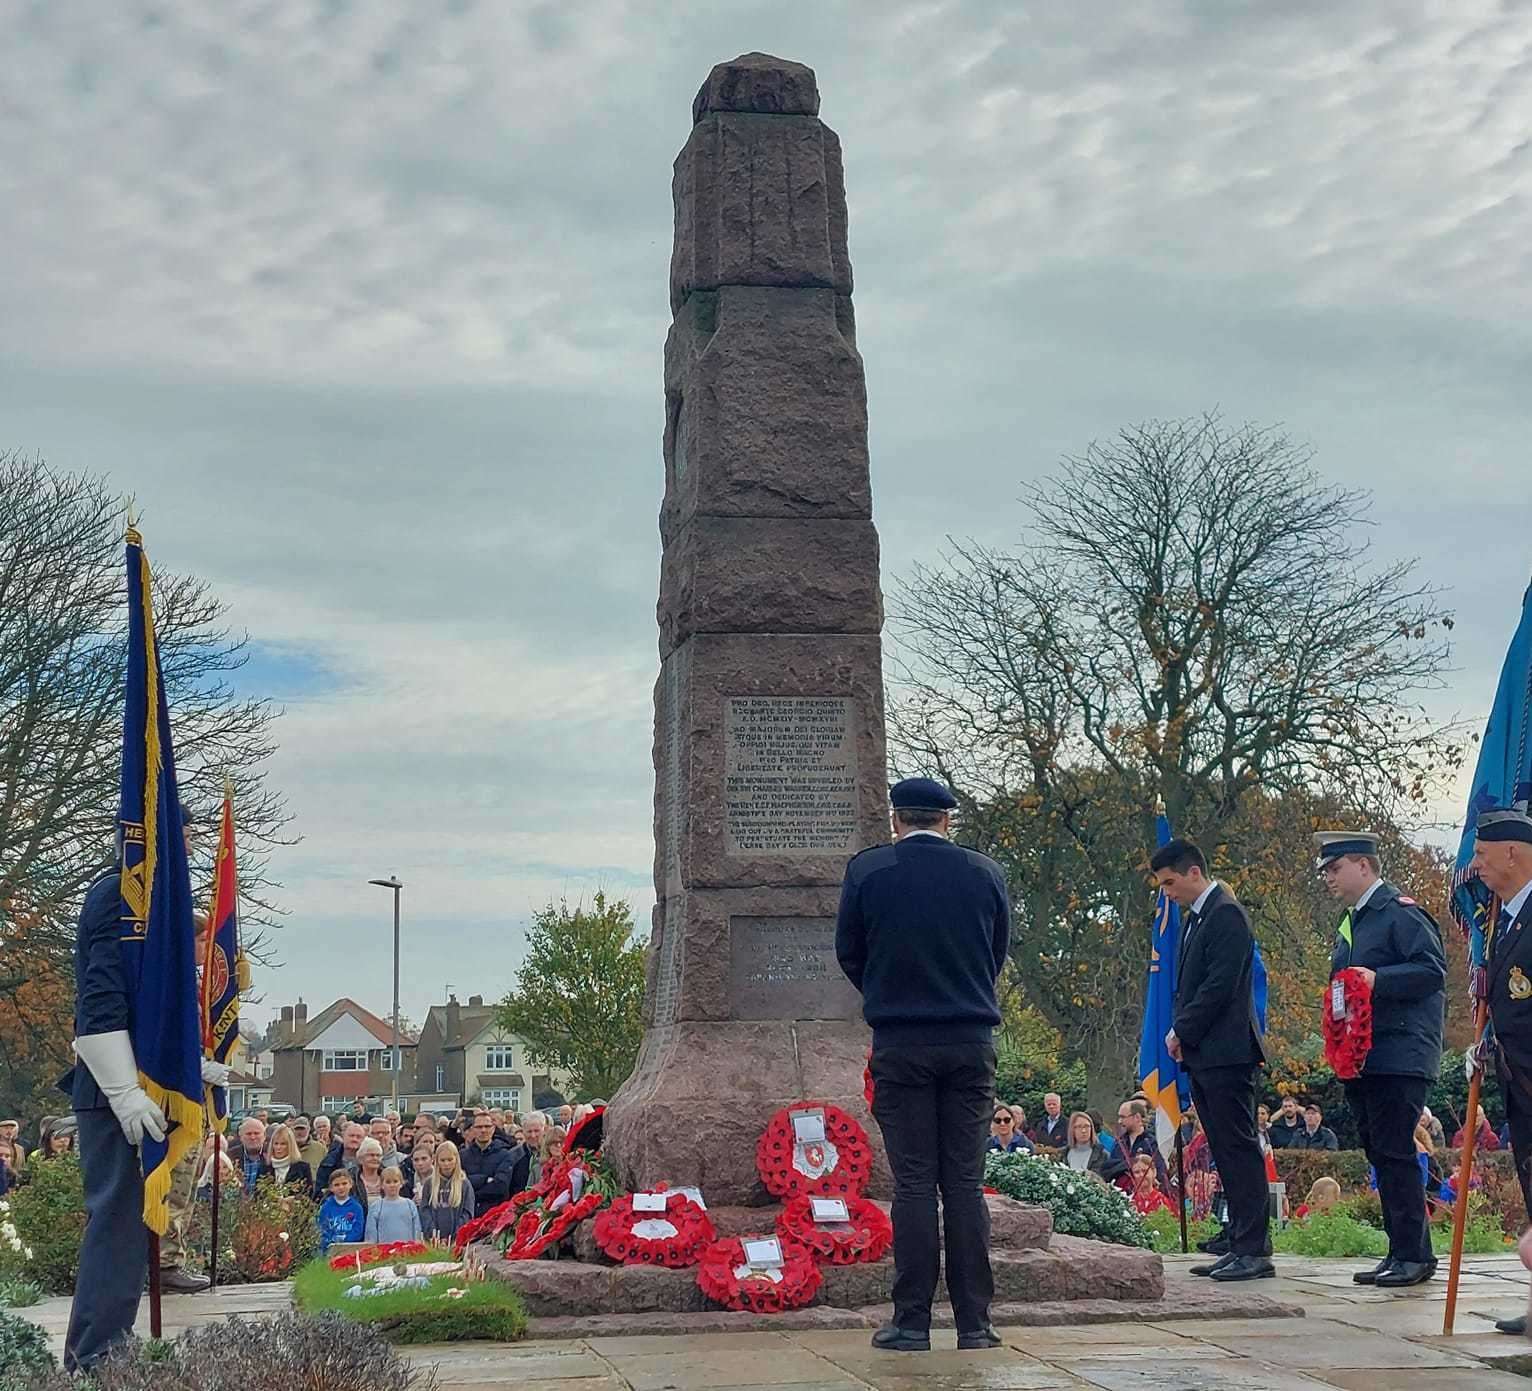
x=1408, y=901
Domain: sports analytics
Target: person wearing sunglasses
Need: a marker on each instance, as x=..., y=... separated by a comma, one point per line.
x=1004, y=1136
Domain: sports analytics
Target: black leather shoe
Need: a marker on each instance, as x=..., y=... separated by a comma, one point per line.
x=1246, y=1268
x=985, y=1337
x=1403, y=1273
x=1215, y=1245
x=1219, y=1264
x=175, y=1280
x=1516, y=1325
x=892, y=1338
x=1370, y=1277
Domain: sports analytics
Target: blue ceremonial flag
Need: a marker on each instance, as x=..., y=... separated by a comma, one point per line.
x=224, y=972
x=159, y=933
x=1158, y=1073
x=1502, y=779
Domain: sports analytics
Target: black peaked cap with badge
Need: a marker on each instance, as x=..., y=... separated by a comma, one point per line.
x=921, y=794
x=1400, y=942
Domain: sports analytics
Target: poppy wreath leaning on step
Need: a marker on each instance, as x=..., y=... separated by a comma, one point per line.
x=725, y=1277
x=675, y=1238
x=866, y=1237
x=539, y=1228
x=1348, y=1040
x=836, y=1167
x=376, y=1254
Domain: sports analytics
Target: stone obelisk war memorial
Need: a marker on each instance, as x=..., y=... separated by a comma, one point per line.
x=770, y=768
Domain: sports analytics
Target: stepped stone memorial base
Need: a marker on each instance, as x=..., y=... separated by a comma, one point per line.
x=770, y=768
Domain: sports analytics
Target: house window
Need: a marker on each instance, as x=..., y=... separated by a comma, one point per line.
x=343, y=1060
x=441, y=1078
x=497, y=1058
x=501, y=1097
x=335, y=1105
x=386, y=1059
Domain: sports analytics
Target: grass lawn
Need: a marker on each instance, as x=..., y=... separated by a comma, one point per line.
x=490, y=1309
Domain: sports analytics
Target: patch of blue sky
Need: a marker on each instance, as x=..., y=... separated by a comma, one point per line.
x=286, y=672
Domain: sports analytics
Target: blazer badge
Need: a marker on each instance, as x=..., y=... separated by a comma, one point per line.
x=1519, y=986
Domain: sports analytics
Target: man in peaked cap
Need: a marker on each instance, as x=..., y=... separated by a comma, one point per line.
x=1503, y=860
x=923, y=933
x=1397, y=946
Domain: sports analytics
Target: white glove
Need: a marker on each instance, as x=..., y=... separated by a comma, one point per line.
x=109, y=1058
x=215, y=1074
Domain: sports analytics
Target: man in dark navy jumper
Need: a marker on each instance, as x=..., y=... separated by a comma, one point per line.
x=923, y=933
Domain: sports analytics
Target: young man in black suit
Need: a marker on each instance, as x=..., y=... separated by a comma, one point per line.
x=1217, y=1040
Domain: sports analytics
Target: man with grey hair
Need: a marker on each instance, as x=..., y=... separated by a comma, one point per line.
x=252, y=1151
x=1053, y=1129
x=533, y=1127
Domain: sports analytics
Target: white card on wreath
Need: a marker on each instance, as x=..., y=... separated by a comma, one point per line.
x=649, y=1202
x=829, y=1210
x=1337, y=999
x=766, y=1254
x=809, y=1127
x=695, y=1194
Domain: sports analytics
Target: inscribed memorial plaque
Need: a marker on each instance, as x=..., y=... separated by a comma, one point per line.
x=790, y=775
x=785, y=968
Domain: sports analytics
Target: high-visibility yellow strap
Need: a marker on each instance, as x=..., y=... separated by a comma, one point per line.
x=1345, y=929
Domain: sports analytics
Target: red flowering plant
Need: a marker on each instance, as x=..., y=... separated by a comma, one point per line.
x=1348, y=1030
x=866, y=1236
x=675, y=1238
x=727, y=1278
x=838, y=1166
x=379, y=1254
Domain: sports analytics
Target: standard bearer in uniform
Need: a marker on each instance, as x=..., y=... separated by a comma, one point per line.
x=1397, y=946
x=923, y=933
x=1503, y=860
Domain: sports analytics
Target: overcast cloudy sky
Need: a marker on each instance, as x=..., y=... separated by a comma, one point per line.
x=365, y=302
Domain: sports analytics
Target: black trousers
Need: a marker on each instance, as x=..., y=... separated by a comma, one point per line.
x=934, y=1103
x=1387, y=1110
x=1518, y=1114
x=1225, y=1102
x=114, y=1252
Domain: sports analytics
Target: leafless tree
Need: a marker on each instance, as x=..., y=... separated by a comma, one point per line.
x=1191, y=619
x=63, y=626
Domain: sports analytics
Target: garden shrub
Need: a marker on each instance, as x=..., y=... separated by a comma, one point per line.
x=19, y=1294
x=1164, y=1228
x=1299, y=1168
x=1334, y=1233
x=49, y=1216
x=24, y=1353
x=1080, y=1203
x=288, y=1351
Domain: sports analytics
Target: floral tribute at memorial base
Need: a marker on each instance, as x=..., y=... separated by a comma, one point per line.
x=675, y=1236
x=1348, y=1023
x=726, y=1277
x=865, y=1235
x=811, y=1148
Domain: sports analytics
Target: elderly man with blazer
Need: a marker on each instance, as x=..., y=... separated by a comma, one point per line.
x=1217, y=1039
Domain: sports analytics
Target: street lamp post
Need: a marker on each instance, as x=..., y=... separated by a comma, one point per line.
x=392, y=882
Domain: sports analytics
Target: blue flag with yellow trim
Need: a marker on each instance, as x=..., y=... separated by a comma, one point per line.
x=1502, y=779
x=1158, y=1073
x=158, y=942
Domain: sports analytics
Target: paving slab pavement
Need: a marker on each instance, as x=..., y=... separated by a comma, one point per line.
x=1351, y=1338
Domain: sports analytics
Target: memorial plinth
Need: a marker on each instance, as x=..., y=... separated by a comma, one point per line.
x=769, y=748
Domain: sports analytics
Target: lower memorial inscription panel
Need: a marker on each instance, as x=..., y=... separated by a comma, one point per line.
x=785, y=968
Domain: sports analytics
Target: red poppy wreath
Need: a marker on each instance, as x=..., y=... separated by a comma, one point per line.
x=1348, y=1039
x=538, y=1229
x=675, y=1238
x=376, y=1254
x=865, y=1237
x=726, y=1278
x=837, y=1166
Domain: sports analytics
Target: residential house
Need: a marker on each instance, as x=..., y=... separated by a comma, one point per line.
x=343, y=1054
x=465, y=1053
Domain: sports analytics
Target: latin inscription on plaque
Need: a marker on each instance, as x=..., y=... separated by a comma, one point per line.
x=790, y=775
x=785, y=968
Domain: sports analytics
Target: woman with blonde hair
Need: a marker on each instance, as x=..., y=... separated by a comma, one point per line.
x=445, y=1198
x=369, y=1171
x=285, y=1164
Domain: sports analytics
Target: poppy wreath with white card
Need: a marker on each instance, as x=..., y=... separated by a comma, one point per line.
x=863, y=1233
x=726, y=1276
x=1348, y=1023
x=675, y=1236
x=813, y=1148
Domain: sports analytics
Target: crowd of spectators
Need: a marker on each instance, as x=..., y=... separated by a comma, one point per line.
x=375, y=1177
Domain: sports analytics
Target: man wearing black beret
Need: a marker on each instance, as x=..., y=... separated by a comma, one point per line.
x=923, y=933
x=1503, y=860
x=1397, y=947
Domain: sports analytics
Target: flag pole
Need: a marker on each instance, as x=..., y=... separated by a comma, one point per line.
x=1181, y=1185
x=212, y=1255
x=155, y=1324
x=1465, y=1173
